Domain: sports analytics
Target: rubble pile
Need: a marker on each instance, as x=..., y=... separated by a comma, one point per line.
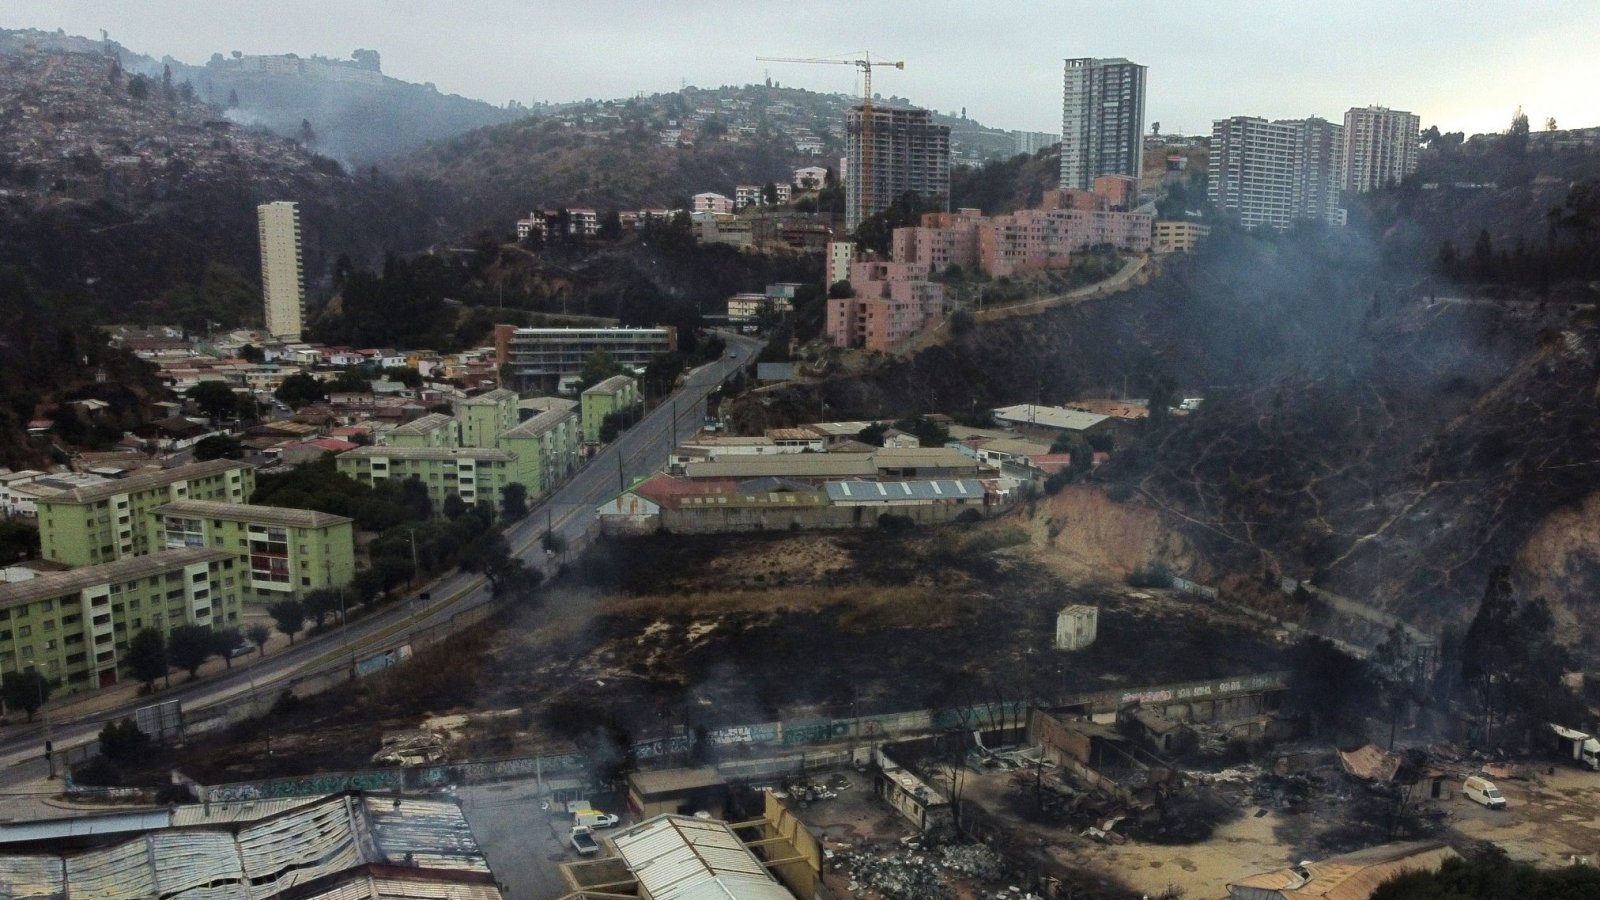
x=912, y=872
x=974, y=861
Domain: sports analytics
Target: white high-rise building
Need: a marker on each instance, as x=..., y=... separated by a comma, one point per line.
x=1102, y=121
x=1274, y=174
x=283, y=285
x=1380, y=147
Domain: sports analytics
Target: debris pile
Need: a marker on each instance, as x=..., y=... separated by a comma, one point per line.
x=913, y=872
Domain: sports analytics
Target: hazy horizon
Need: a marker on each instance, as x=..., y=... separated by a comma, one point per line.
x=1463, y=69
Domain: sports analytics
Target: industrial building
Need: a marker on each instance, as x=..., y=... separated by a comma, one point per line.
x=339, y=847
x=71, y=627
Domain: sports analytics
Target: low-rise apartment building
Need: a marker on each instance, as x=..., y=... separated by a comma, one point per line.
x=892, y=302
x=104, y=522
x=485, y=416
x=472, y=473
x=615, y=394
x=283, y=553
x=72, y=627
x=1172, y=236
x=546, y=448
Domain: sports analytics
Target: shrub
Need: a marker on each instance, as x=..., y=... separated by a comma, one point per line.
x=1153, y=575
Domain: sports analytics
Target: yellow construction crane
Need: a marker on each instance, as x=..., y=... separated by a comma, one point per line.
x=863, y=178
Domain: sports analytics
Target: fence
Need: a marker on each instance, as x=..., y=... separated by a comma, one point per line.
x=795, y=733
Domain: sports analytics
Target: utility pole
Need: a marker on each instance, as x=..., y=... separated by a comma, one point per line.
x=622, y=478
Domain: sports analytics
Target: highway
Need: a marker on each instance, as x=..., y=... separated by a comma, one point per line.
x=570, y=509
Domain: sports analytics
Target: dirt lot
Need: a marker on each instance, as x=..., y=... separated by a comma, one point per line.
x=647, y=634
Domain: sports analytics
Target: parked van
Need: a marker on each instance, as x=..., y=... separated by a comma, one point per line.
x=1482, y=790
x=594, y=818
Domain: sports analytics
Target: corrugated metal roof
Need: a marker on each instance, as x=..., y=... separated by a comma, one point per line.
x=147, y=480
x=684, y=858
x=57, y=584
x=424, y=425
x=1049, y=417
x=540, y=423
x=289, y=846
x=886, y=491
x=245, y=512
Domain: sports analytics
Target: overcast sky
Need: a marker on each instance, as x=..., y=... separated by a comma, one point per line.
x=1460, y=64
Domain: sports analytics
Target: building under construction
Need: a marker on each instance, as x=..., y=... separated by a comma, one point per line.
x=893, y=150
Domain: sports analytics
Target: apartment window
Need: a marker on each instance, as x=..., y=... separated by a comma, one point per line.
x=49, y=625
x=24, y=631
x=305, y=581
x=47, y=605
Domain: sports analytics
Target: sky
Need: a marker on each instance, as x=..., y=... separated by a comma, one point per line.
x=1464, y=65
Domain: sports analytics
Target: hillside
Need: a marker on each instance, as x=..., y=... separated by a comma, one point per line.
x=1356, y=431
x=126, y=188
x=356, y=114
x=654, y=151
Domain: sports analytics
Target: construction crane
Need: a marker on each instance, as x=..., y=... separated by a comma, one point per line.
x=865, y=64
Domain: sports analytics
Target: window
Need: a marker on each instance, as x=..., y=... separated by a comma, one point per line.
x=24, y=631
x=305, y=581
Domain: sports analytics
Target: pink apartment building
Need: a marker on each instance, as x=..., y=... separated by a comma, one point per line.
x=892, y=302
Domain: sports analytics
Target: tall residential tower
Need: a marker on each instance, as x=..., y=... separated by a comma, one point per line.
x=1380, y=147
x=1274, y=174
x=892, y=151
x=1102, y=121
x=283, y=285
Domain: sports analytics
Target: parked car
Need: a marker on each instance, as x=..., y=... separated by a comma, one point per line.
x=582, y=838
x=1482, y=790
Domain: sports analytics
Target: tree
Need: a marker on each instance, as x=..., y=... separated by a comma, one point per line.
x=215, y=399
x=491, y=555
x=454, y=507
x=252, y=353
x=225, y=640
x=840, y=290
x=514, y=501
x=147, y=657
x=301, y=388
x=18, y=540
x=139, y=87
x=167, y=91
x=1517, y=135
x=26, y=691
x=769, y=194
x=258, y=634
x=610, y=226
x=189, y=646
x=121, y=741
x=289, y=616
x=320, y=603
x=233, y=99
x=218, y=446
x=597, y=367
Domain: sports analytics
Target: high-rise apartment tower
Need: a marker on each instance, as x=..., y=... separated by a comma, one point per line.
x=1102, y=121
x=283, y=285
x=907, y=152
x=1380, y=147
x=1274, y=174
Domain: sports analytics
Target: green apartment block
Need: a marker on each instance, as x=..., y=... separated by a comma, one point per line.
x=432, y=430
x=282, y=553
x=546, y=447
x=73, y=627
x=106, y=522
x=619, y=392
x=473, y=473
x=485, y=417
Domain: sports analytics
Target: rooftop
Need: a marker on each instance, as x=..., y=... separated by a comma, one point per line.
x=684, y=858
x=666, y=781
x=271, y=852
x=244, y=512
x=884, y=491
x=540, y=424
x=611, y=385
x=424, y=425
x=498, y=395
x=72, y=581
x=147, y=480
x=483, y=453
x=1049, y=417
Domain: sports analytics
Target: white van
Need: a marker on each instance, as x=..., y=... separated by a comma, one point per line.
x=1482, y=790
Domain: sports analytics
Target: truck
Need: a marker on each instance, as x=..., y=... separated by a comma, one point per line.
x=582, y=838
x=1577, y=746
x=594, y=818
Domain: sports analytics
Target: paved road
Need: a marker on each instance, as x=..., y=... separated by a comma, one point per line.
x=640, y=450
